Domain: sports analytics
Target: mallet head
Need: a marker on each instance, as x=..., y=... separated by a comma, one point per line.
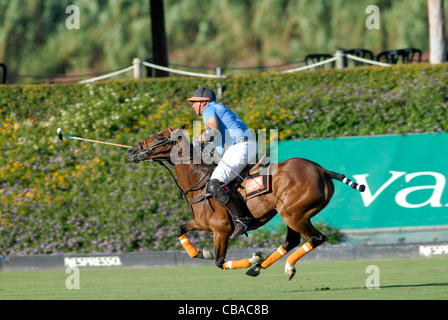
x=59, y=131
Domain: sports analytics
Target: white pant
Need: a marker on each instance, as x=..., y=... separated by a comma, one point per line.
x=234, y=160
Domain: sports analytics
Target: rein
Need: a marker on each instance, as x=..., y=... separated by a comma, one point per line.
x=184, y=193
x=165, y=143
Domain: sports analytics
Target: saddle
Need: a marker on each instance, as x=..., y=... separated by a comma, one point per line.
x=254, y=179
x=254, y=169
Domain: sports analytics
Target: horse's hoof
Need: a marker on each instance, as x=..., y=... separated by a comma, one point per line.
x=254, y=271
x=257, y=257
x=290, y=271
x=207, y=254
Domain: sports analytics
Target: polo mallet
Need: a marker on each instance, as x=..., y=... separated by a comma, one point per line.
x=60, y=136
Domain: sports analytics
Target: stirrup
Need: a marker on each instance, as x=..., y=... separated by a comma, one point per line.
x=235, y=234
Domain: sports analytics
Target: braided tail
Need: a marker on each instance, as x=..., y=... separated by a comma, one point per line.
x=341, y=177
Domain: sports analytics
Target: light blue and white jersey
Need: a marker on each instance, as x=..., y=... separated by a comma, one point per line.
x=231, y=127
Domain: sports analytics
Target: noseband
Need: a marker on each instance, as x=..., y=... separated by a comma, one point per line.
x=164, y=143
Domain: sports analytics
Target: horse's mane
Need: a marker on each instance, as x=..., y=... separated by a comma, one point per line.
x=199, y=166
x=192, y=158
x=194, y=154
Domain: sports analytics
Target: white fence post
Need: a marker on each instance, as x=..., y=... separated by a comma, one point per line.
x=137, y=68
x=341, y=61
x=218, y=73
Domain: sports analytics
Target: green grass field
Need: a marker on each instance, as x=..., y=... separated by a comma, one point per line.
x=405, y=279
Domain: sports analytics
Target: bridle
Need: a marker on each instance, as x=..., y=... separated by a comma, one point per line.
x=164, y=143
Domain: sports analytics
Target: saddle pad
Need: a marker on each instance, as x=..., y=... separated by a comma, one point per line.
x=258, y=184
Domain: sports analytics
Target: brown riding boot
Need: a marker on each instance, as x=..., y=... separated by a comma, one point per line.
x=241, y=216
x=239, y=211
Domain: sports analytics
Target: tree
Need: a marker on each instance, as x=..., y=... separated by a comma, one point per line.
x=159, y=45
x=437, y=38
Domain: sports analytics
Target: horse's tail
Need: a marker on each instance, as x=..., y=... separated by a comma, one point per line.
x=341, y=177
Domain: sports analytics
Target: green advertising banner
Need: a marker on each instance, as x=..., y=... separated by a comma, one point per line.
x=405, y=178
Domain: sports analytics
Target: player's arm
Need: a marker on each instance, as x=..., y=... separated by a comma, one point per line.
x=211, y=123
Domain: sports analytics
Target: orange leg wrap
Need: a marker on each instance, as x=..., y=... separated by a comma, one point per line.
x=237, y=264
x=299, y=253
x=191, y=250
x=274, y=256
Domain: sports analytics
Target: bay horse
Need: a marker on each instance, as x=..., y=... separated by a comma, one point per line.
x=300, y=189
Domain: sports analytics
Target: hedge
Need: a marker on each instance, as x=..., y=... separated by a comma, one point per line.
x=78, y=197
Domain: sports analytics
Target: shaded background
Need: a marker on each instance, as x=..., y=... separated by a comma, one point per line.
x=34, y=40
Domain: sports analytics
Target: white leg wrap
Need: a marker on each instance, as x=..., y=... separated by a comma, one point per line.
x=305, y=248
x=280, y=251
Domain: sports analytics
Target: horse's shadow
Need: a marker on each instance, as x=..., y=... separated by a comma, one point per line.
x=380, y=287
x=414, y=285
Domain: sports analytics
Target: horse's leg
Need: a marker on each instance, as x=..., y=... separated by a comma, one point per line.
x=188, y=246
x=295, y=229
x=292, y=240
x=315, y=239
x=221, y=241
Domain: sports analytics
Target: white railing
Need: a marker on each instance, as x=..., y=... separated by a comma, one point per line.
x=107, y=75
x=185, y=73
x=137, y=65
x=311, y=66
x=382, y=64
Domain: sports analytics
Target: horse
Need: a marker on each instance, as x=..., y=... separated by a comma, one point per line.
x=300, y=189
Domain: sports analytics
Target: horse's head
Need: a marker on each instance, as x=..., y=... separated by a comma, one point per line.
x=157, y=147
